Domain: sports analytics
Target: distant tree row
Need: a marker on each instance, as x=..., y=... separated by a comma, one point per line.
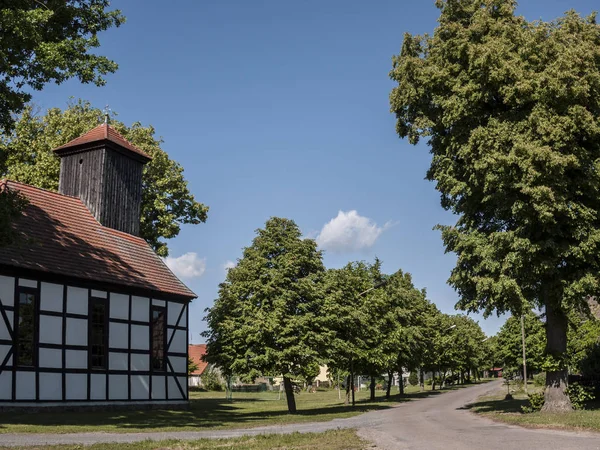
x=281, y=312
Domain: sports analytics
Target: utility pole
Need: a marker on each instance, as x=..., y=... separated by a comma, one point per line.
x=524, y=362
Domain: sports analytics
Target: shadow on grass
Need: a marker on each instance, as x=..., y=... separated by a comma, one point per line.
x=205, y=413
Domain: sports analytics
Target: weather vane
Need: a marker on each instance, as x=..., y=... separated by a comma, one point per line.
x=107, y=112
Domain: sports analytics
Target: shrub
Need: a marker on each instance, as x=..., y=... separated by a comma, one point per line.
x=539, y=379
x=413, y=379
x=428, y=382
x=536, y=401
x=579, y=395
x=211, y=381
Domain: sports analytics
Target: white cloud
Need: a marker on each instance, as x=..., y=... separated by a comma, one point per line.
x=349, y=232
x=229, y=265
x=187, y=265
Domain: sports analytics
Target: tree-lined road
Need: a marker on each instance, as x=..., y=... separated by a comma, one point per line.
x=437, y=422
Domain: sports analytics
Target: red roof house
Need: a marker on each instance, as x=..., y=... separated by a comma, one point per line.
x=196, y=352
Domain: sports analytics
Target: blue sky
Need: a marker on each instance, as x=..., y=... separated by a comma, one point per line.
x=280, y=108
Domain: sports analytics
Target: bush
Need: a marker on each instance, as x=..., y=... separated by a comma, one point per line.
x=536, y=401
x=413, y=379
x=428, y=382
x=579, y=395
x=539, y=379
x=211, y=381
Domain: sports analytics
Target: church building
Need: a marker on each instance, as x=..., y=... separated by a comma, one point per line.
x=89, y=314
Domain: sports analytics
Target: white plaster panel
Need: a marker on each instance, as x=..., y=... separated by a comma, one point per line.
x=51, y=297
x=77, y=300
x=140, y=337
x=117, y=361
x=119, y=306
x=140, y=362
x=173, y=310
x=179, y=364
x=99, y=294
x=117, y=387
x=4, y=349
x=27, y=283
x=174, y=393
x=50, y=357
x=118, y=335
x=7, y=290
x=179, y=342
x=158, y=387
x=140, y=388
x=25, y=385
x=77, y=359
x=50, y=329
x=6, y=385
x=183, y=322
x=77, y=331
x=50, y=386
x=76, y=384
x=158, y=302
x=140, y=308
x=98, y=387
x=183, y=383
x=4, y=334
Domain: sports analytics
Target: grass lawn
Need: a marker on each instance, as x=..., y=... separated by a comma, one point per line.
x=509, y=411
x=331, y=440
x=208, y=410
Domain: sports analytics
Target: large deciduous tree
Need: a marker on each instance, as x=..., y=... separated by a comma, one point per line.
x=266, y=320
x=167, y=203
x=511, y=109
x=44, y=41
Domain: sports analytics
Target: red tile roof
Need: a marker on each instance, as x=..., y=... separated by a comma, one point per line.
x=61, y=236
x=196, y=352
x=100, y=133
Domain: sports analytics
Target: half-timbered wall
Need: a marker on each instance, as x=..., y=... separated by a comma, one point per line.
x=62, y=368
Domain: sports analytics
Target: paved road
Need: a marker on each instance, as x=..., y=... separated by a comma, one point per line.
x=440, y=423
x=437, y=422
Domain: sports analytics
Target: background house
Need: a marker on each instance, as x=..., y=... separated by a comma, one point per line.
x=89, y=314
x=196, y=352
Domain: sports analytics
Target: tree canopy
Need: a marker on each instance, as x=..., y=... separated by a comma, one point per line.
x=510, y=111
x=43, y=42
x=167, y=202
x=266, y=320
x=50, y=41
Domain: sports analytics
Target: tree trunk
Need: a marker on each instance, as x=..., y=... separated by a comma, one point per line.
x=433, y=380
x=555, y=396
x=289, y=394
x=347, y=390
x=372, y=388
x=421, y=379
x=389, y=385
x=352, y=380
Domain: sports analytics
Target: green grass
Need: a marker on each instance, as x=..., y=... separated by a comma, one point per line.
x=509, y=411
x=208, y=410
x=331, y=440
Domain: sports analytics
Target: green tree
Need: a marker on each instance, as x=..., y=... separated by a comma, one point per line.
x=192, y=366
x=510, y=345
x=349, y=316
x=266, y=320
x=405, y=316
x=40, y=43
x=166, y=200
x=510, y=111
